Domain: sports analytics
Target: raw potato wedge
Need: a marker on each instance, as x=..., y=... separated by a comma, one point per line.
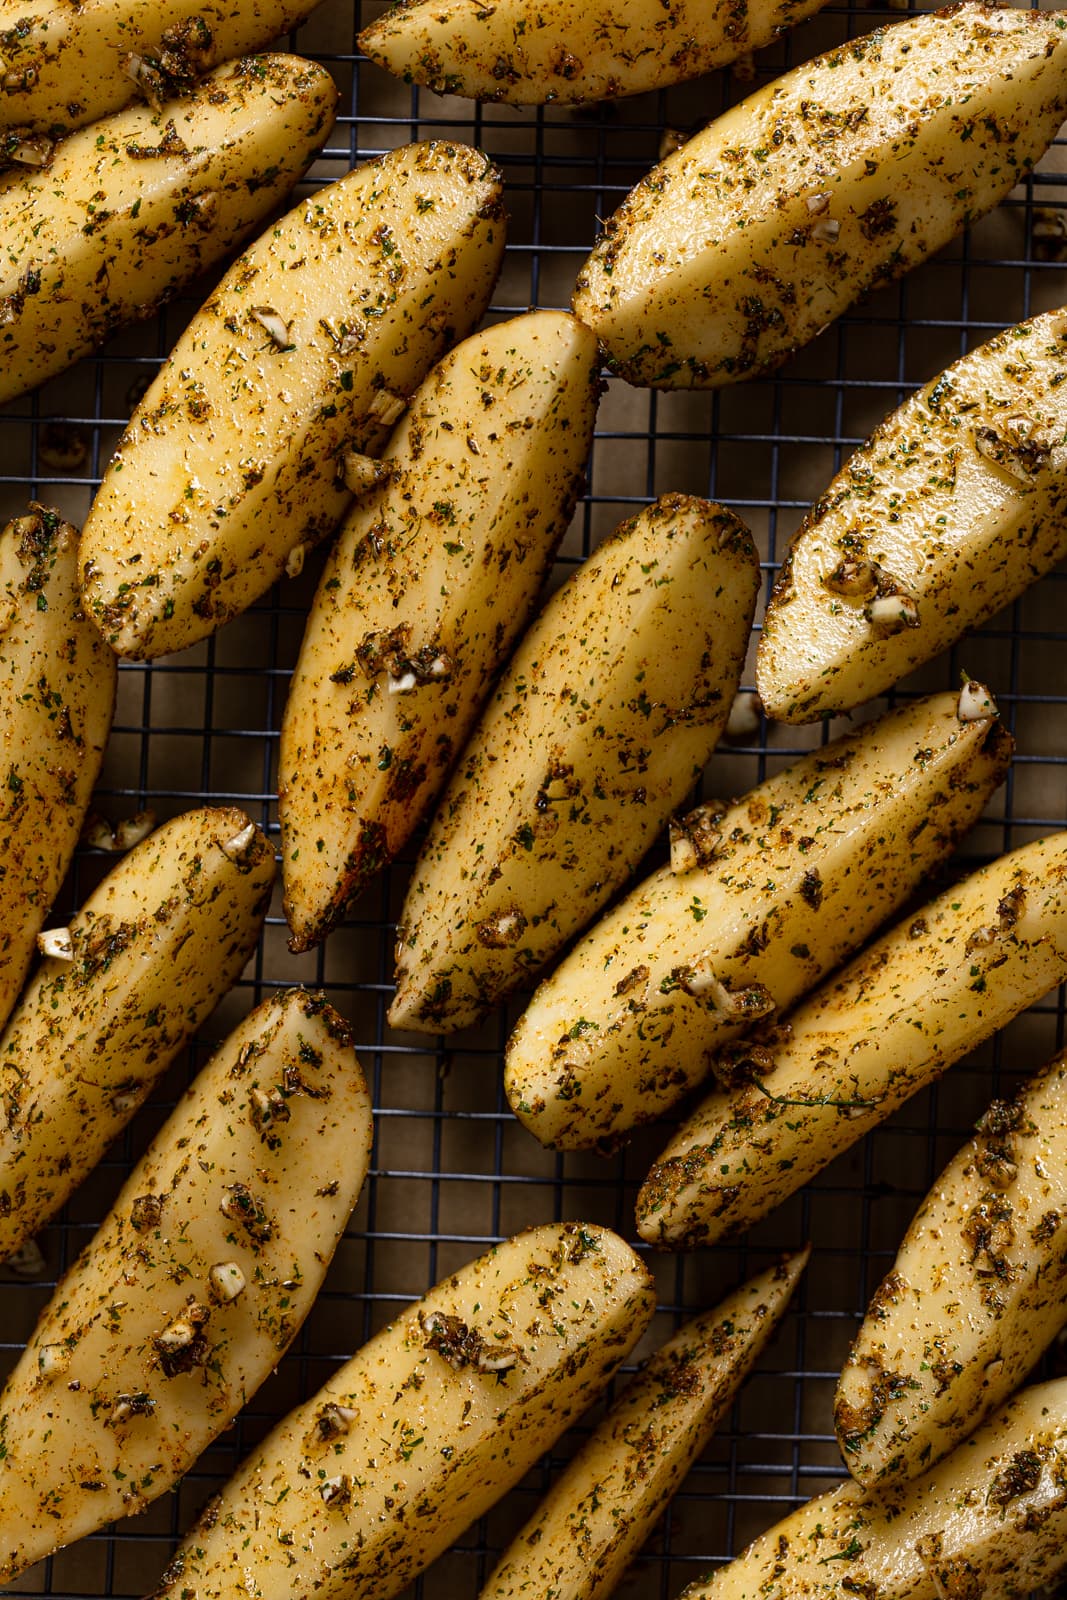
x=421, y=598
x=935, y=987
x=955, y=506
x=230, y=467
x=66, y=65
x=197, y=1281
x=597, y=1516
x=600, y=726
x=990, y=1522
x=144, y=961
x=57, y=698
x=564, y=52
x=359, y=1489
x=833, y=180
x=131, y=209
x=764, y=898
x=978, y=1289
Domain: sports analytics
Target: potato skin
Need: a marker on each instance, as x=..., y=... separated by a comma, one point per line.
x=131, y=210
x=599, y=1512
x=566, y=52
x=833, y=180
x=257, y=1168
x=974, y=1296
x=600, y=725
x=806, y=867
x=237, y=445
x=155, y=947
x=958, y=502
x=936, y=986
x=442, y=1412
x=54, y=737
x=68, y=65
x=438, y=571
x=989, y=1522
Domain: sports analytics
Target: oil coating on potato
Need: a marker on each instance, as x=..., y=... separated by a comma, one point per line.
x=196, y=1283
x=308, y=350
x=143, y=962
x=762, y=899
x=898, y=1016
x=833, y=180
x=130, y=210
x=599, y=727
x=431, y=578
x=57, y=697
x=360, y=1488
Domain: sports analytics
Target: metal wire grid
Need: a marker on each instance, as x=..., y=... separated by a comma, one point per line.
x=451, y=1170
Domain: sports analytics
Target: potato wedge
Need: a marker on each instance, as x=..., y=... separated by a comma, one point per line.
x=769, y=896
x=68, y=65
x=897, y=1017
x=57, y=698
x=307, y=350
x=836, y=178
x=131, y=209
x=564, y=52
x=360, y=1488
x=143, y=962
x=600, y=726
x=954, y=506
x=431, y=579
x=187, y=1296
x=978, y=1289
x=989, y=1522
x=599, y=1513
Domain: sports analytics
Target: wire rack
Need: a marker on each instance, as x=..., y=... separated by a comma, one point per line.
x=451, y=1169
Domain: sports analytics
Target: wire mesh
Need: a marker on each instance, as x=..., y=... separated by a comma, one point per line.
x=451, y=1170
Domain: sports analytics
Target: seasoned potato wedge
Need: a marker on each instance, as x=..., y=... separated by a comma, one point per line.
x=564, y=52
x=989, y=1522
x=597, y=1516
x=600, y=726
x=308, y=349
x=67, y=65
x=184, y=1300
x=131, y=209
x=955, y=505
x=897, y=1017
x=762, y=900
x=834, y=179
x=420, y=601
x=141, y=965
x=977, y=1291
x=57, y=697
x=360, y=1488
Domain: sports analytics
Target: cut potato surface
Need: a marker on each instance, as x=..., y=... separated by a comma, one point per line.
x=195, y=1284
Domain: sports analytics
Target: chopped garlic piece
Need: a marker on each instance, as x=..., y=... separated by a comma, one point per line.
x=976, y=704
x=57, y=943
x=226, y=1281
x=238, y=846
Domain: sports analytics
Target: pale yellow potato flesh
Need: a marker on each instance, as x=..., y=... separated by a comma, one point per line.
x=152, y=951
x=832, y=180
x=598, y=1514
x=565, y=52
x=195, y=1285
x=67, y=65
x=956, y=504
x=990, y=1522
x=432, y=577
x=936, y=986
x=308, y=350
x=53, y=737
x=600, y=726
x=805, y=868
x=977, y=1291
x=131, y=209
x=360, y=1488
